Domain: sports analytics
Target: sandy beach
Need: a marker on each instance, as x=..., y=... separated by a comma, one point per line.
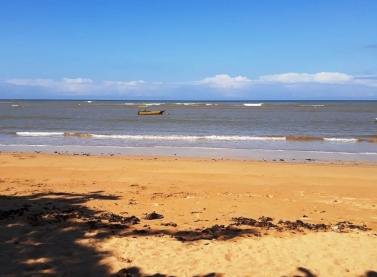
x=84, y=215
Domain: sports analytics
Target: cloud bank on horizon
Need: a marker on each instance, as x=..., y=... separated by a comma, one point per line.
x=222, y=86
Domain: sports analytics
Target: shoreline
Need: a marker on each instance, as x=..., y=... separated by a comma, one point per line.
x=293, y=156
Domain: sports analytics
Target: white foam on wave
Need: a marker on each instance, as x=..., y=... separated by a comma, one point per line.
x=312, y=106
x=153, y=137
x=129, y=104
x=242, y=138
x=174, y=137
x=14, y=105
x=153, y=104
x=253, y=104
x=150, y=137
x=39, y=134
x=341, y=139
x=89, y=101
x=181, y=137
x=188, y=104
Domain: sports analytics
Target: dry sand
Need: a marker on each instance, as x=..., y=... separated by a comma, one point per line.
x=57, y=217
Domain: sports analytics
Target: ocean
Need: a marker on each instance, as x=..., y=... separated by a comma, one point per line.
x=336, y=128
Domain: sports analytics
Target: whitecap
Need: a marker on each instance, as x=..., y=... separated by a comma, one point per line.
x=39, y=134
x=341, y=139
x=253, y=104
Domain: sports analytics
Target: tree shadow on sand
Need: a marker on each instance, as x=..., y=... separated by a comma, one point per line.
x=38, y=238
x=55, y=234
x=370, y=274
x=137, y=272
x=304, y=272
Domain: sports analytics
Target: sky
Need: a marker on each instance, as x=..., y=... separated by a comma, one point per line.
x=192, y=50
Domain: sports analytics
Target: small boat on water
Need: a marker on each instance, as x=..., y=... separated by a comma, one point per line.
x=143, y=111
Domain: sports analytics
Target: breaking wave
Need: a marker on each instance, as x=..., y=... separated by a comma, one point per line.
x=303, y=138
x=197, y=137
x=153, y=104
x=342, y=139
x=253, y=104
x=39, y=134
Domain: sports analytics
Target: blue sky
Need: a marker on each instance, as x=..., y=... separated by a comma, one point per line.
x=165, y=49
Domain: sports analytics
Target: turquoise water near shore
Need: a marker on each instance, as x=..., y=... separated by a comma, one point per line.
x=311, y=126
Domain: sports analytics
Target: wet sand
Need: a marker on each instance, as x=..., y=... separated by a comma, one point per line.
x=83, y=215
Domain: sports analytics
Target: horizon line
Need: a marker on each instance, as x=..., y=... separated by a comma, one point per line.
x=187, y=100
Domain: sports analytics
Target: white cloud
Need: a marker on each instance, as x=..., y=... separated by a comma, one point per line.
x=371, y=82
x=31, y=82
x=221, y=85
x=81, y=86
x=225, y=81
x=65, y=84
x=77, y=81
x=120, y=83
x=322, y=77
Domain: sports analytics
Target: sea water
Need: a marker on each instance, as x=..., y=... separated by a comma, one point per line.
x=338, y=128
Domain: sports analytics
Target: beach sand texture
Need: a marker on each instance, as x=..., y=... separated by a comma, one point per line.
x=82, y=215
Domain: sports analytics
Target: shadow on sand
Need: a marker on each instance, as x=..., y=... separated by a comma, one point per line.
x=304, y=272
x=54, y=234
x=137, y=272
x=36, y=244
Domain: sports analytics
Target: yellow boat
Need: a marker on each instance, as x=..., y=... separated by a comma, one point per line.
x=143, y=111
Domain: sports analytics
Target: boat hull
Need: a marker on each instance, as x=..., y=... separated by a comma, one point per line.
x=150, y=112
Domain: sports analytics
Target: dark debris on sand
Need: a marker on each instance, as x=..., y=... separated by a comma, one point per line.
x=169, y=224
x=263, y=222
x=345, y=225
x=62, y=216
x=219, y=232
x=53, y=215
x=266, y=223
x=153, y=215
x=11, y=214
